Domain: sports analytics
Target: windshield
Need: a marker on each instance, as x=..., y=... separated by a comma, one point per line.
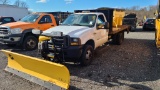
x=81, y=20
x=30, y=18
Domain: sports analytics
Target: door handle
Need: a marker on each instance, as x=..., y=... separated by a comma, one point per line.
x=52, y=25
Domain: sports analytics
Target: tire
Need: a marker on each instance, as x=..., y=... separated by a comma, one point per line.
x=118, y=38
x=30, y=43
x=44, y=51
x=87, y=55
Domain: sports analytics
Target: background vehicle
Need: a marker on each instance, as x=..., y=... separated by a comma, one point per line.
x=130, y=19
x=149, y=24
x=81, y=33
x=20, y=33
x=13, y=11
x=4, y=20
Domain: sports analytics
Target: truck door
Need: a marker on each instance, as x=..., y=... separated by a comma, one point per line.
x=45, y=23
x=101, y=34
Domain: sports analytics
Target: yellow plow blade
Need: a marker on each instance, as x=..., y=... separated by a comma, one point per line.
x=48, y=74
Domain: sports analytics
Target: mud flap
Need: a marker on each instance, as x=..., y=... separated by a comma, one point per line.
x=48, y=74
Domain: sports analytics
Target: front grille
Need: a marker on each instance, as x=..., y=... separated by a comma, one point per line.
x=3, y=31
x=63, y=41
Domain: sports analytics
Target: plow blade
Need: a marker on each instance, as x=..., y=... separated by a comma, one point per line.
x=48, y=74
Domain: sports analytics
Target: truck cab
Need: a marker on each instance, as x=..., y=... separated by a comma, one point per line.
x=80, y=34
x=21, y=32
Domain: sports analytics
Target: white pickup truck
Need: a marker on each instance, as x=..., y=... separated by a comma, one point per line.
x=80, y=34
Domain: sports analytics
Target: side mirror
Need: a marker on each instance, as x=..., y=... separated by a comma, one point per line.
x=0, y=22
x=106, y=26
x=36, y=31
x=103, y=26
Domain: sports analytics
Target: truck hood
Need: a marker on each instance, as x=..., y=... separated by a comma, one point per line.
x=72, y=31
x=17, y=24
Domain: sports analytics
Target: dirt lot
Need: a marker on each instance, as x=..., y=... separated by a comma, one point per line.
x=134, y=65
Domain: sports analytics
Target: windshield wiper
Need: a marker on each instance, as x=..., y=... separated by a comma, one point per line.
x=66, y=24
x=77, y=24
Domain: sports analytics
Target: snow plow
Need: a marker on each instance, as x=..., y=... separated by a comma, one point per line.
x=48, y=74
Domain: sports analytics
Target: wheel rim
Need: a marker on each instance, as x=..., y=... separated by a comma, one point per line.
x=31, y=43
x=88, y=55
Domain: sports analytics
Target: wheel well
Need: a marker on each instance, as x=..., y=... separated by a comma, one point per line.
x=30, y=34
x=90, y=42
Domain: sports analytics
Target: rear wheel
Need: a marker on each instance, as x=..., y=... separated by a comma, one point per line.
x=87, y=55
x=30, y=43
x=118, y=38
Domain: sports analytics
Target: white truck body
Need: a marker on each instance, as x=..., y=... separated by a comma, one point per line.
x=83, y=32
x=13, y=11
x=80, y=34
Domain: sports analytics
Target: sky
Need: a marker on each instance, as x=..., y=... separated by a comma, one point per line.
x=71, y=5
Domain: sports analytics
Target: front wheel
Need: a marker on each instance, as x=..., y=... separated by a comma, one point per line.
x=30, y=43
x=87, y=55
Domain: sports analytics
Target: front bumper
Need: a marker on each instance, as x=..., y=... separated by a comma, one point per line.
x=11, y=39
x=72, y=52
x=69, y=53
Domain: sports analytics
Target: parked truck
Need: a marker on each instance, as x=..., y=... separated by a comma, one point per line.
x=4, y=20
x=20, y=33
x=81, y=33
x=130, y=19
x=13, y=11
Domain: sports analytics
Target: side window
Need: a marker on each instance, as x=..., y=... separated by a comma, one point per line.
x=101, y=19
x=45, y=19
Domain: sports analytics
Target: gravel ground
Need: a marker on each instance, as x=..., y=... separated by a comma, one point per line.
x=134, y=65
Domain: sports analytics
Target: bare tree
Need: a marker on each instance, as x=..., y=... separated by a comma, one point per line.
x=142, y=12
x=23, y=4
x=17, y=3
x=4, y=1
x=20, y=3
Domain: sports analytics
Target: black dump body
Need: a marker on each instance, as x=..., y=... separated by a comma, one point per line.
x=130, y=19
x=108, y=12
x=60, y=16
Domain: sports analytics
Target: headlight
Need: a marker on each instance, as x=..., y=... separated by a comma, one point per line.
x=16, y=31
x=75, y=41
